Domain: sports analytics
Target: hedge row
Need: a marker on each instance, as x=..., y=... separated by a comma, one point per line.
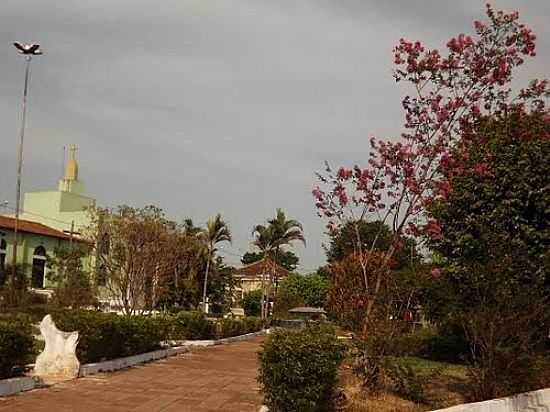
x=195, y=326
x=106, y=336
x=16, y=347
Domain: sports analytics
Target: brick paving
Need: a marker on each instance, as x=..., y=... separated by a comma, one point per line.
x=218, y=378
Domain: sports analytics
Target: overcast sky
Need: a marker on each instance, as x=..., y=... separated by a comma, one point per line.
x=211, y=106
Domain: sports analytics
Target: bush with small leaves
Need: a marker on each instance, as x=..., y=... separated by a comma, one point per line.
x=16, y=347
x=298, y=370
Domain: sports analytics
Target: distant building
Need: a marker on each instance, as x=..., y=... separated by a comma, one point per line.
x=253, y=276
x=45, y=223
x=35, y=242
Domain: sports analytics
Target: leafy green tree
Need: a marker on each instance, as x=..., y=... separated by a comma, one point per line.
x=73, y=287
x=221, y=286
x=252, y=302
x=287, y=259
x=308, y=290
x=216, y=231
x=493, y=244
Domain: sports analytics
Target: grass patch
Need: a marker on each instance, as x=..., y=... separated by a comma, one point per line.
x=445, y=384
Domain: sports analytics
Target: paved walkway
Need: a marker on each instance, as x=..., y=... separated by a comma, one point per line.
x=218, y=378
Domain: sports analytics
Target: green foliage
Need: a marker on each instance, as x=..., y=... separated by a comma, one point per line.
x=298, y=370
x=287, y=259
x=301, y=290
x=16, y=346
x=252, y=302
x=73, y=287
x=510, y=206
x=445, y=344
x=235, y=327
x=493, y=249
x=106, y=336
x=193, y=326
x=357, y=236
x=408, y=382
x=220, y=287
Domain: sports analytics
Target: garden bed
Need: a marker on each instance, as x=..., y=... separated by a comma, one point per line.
x=442, y=389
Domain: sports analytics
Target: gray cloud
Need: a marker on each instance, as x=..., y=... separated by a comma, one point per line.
x=231, y=106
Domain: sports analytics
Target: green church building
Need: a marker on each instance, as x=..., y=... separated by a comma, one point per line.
x=49, y=219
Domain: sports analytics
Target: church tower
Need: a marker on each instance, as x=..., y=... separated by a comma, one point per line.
x=70, y=182
x=64, y=208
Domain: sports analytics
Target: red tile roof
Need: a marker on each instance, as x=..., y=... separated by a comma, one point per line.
x=263, y=266
x=31, y=227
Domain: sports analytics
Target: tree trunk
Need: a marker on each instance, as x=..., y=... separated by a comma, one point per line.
x=205, y=284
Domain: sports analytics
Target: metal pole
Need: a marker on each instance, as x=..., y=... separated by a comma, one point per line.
x=20, y=166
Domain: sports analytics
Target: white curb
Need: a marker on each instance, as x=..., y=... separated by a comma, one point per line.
x=121, y=363
x=14, y=385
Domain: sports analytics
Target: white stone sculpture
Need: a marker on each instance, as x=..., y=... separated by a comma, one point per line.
x=58, y=360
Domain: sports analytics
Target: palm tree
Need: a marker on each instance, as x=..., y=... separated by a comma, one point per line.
x=216, y=231
x=279, y=233
x=263, y=240
x=285, y=231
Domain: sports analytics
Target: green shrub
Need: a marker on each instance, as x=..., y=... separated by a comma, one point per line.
x=253, y=324
x=235, y=327
x=444, y=344
x=448, y=346
x=406, y=382
x=193, y=326
x=252, y=303
x=106, y=336
x=16, y=347
x=298, y=370
x=231, y=327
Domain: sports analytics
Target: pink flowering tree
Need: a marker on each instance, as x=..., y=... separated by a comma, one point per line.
x=454, y=90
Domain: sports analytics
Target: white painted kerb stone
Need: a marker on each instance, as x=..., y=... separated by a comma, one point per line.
x=58, y=359
x=15, y=385
x=122, y=363
x=536, y=401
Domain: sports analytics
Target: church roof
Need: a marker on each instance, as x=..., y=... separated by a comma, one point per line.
x=27, y=226
x=262, y=266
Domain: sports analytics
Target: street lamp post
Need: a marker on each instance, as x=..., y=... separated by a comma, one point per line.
x=27, y=50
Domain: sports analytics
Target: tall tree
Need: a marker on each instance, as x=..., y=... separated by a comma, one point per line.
x=133, y=252
x=271, y=239
x=216, y=231
x=263, y=240
x=494, y=247
x=452, y=90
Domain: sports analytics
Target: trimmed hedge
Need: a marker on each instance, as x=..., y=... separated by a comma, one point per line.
x=298, y=370
x=192, y=326
x=16, y=347
x=235, y=327
x=105, y=336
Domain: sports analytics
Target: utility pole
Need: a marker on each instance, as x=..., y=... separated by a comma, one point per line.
x=28, y=50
